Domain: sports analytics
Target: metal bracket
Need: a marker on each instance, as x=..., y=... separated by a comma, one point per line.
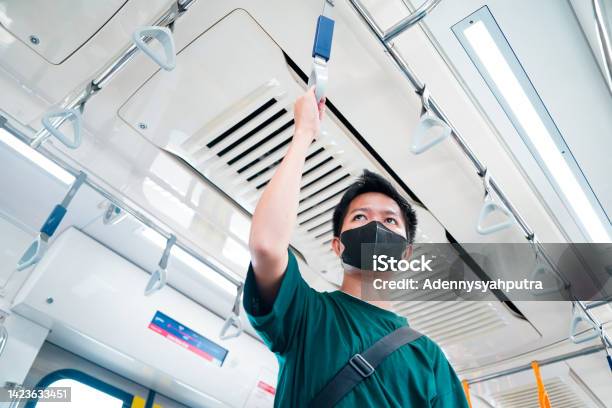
x=158, y=278
x=37, y=249
x=234, y=318
x=415, y=17
x=490, y=207
x=428, y=121
x=113, y=214
x=577, y=317
x=144, y=35
x=542, y=269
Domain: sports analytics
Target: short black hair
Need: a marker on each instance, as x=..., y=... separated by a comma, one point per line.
x=370, y=182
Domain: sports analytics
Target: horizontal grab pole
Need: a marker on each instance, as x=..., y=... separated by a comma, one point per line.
x=481, y=169
x=96, y=84
x=598, y=303
x=418, y=86
x=414, y=81
x=544, y=362
x=407, y=22
x=119, y=202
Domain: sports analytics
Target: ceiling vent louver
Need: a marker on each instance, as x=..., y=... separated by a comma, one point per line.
x=561, y=396
x=235, y=135
x=452, y=322
x=238, y=137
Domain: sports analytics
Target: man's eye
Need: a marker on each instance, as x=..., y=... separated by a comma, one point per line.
x=356, y=217
x=391, y=220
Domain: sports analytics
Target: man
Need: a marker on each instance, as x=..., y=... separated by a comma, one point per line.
x=315, y=334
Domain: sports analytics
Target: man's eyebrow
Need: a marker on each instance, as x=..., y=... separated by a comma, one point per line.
x=365, y=209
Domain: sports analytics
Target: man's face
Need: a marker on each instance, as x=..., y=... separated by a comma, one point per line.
x=368, y=207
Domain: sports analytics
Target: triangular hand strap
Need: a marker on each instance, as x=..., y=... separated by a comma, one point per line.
x=162, y=34
x=53, y=120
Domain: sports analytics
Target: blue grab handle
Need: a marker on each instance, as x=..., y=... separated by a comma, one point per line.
x=323, y=38
x=609, y=358
x=53, y=221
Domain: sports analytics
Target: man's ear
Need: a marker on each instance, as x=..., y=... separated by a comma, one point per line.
x=408, y=252
x=336, y=245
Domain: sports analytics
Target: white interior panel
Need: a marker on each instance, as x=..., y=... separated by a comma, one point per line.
x=56, y=29
x=52, y=83
x=90, y=284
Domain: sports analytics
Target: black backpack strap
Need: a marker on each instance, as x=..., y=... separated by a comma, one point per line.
x=361, y=366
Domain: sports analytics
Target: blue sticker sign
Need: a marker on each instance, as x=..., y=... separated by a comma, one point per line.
x=187, y=338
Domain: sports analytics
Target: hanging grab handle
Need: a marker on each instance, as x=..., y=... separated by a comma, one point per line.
x=158, y=278
x=234, y=318
x=143, y=36
x=424, y=137
x=321, y=51
x=318, y=78
x=544, y=270
x=578, y=317
x=156, y=281
x=490, y=207
x=54, y=119
x=543, y=399
x=37, y=249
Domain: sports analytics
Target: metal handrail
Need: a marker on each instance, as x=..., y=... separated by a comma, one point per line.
x=96, y=84
x=544, y=362
x=4, y=124
x=418, y=86
x=416, y=16
x=481, y=169
x=603, y=32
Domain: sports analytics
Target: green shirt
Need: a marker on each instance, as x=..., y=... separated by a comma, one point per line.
x=314, y=334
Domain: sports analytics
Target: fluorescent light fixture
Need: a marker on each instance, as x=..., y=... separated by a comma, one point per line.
x=35, y=157
x=191, y=262
x=489, y=50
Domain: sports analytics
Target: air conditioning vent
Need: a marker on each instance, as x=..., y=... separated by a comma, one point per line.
x=452, y=322
x=238, y=137
x=561, y=396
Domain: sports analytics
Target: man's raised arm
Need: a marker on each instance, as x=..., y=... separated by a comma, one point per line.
x=276, y=212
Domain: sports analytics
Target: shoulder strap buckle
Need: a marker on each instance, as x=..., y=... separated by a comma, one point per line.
x=361, y=365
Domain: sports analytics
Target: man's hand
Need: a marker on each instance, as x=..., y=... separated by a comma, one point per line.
x=308, y=115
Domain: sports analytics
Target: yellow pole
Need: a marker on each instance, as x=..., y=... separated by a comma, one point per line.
x=542, y=394
x=466, y=390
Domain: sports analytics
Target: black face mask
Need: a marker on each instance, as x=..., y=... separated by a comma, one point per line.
x=362, y=243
